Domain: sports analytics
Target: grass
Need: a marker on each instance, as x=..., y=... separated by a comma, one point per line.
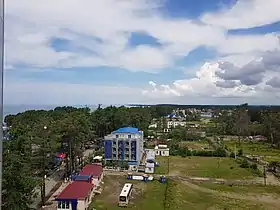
x=196, y=145
x=174, y=195
x=148, y=196
x=186, y=198
x=163, y=167
x=243, y=189
x=253, y=148
x=211, y=167
x=272, y=159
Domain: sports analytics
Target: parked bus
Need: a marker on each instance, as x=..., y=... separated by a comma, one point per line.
x=125, y=194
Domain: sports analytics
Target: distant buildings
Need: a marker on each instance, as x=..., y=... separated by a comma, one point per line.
x=162, y=150
x=150, y=161
x=174, y=124
x=125, y=144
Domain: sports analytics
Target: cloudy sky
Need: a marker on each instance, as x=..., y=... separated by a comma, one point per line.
x=142, y=51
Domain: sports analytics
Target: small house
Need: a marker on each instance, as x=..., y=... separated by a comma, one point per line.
x=162, y=150
x=76, y=196
x=94, y=171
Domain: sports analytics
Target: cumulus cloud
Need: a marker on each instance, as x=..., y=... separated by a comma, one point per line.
x=225, y=80
x=98, y=34
x=245, y=14
x=102, y=27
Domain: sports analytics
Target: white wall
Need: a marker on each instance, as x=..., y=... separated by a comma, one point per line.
x=162, y=152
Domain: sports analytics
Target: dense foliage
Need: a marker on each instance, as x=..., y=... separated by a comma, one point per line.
x=38, y=134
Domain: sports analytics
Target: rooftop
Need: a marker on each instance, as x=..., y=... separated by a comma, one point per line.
x=75, y=190
x=92, y=170
x=127, y=130
x=125, y=189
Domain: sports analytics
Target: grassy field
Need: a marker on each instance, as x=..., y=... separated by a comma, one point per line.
x=253, y=148
x=211, y=167
x=182, y=198
x=148, y=196
x=196, y=145
x=244, y=189
x=163, y=165
x=172, y=196
x=272, y=159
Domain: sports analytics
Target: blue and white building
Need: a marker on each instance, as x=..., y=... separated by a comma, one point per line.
x=125, y=144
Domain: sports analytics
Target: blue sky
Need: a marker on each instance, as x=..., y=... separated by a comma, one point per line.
x=147, y=51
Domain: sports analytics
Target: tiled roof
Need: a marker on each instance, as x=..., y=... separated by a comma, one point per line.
x=91, y=170
x=76, y=190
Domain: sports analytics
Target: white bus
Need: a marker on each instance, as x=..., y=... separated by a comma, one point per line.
x=125, y=194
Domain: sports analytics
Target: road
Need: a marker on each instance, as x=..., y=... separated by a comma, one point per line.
x=257, y=180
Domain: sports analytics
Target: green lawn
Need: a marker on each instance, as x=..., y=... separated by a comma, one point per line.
x=272, y=159
x=182, y=198
x=211, y=167
x=163, y=165
x=243, y=189
x=253, y=148
x=174, y=195
x=196, y=145
x=148, y=196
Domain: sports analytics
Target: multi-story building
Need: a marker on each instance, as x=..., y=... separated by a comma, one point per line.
x=124, y=144
x=174, y=124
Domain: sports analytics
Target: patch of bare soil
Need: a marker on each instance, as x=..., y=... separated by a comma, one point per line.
x=112, y=189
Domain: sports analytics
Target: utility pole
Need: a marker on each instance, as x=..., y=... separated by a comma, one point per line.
x=264, y=176
x=43, y=187
x=235, y=151
x=1, y=92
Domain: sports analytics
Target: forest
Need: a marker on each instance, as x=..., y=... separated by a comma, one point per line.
x=36, y=135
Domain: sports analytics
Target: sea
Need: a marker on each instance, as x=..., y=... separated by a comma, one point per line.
x=15, y=109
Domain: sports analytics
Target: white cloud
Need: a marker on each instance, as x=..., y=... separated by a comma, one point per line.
x=203, y=88
x=31, y=24
x=245, y=14
x=104, y=27
x=102, y=30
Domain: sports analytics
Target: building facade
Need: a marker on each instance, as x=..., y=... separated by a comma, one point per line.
x=125, y=144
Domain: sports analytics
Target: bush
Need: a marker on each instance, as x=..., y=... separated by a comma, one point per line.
x=254, y=166
x=244, y=164
x=232, y=155
x=240, y=152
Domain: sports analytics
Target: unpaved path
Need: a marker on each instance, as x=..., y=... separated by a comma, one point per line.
x=270, y=199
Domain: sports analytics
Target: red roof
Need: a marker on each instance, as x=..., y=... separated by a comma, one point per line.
x=92, y=170
x=76, y=190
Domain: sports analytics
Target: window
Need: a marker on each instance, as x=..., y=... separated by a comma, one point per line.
x=117, y=136
x=63, y=205
x=129, y=136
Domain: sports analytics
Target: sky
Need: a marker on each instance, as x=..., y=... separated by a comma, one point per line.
x=142, y=51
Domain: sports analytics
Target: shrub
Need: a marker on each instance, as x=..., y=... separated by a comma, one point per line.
x=240, y=152
x=244, y=164
x=254, y=166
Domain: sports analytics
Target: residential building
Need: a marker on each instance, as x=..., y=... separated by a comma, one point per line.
x=76, y=196
x=174, y=124
x=150, y=161
x=124, y=144
x=94, y=172
x=162, y=150
x=153, y=125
